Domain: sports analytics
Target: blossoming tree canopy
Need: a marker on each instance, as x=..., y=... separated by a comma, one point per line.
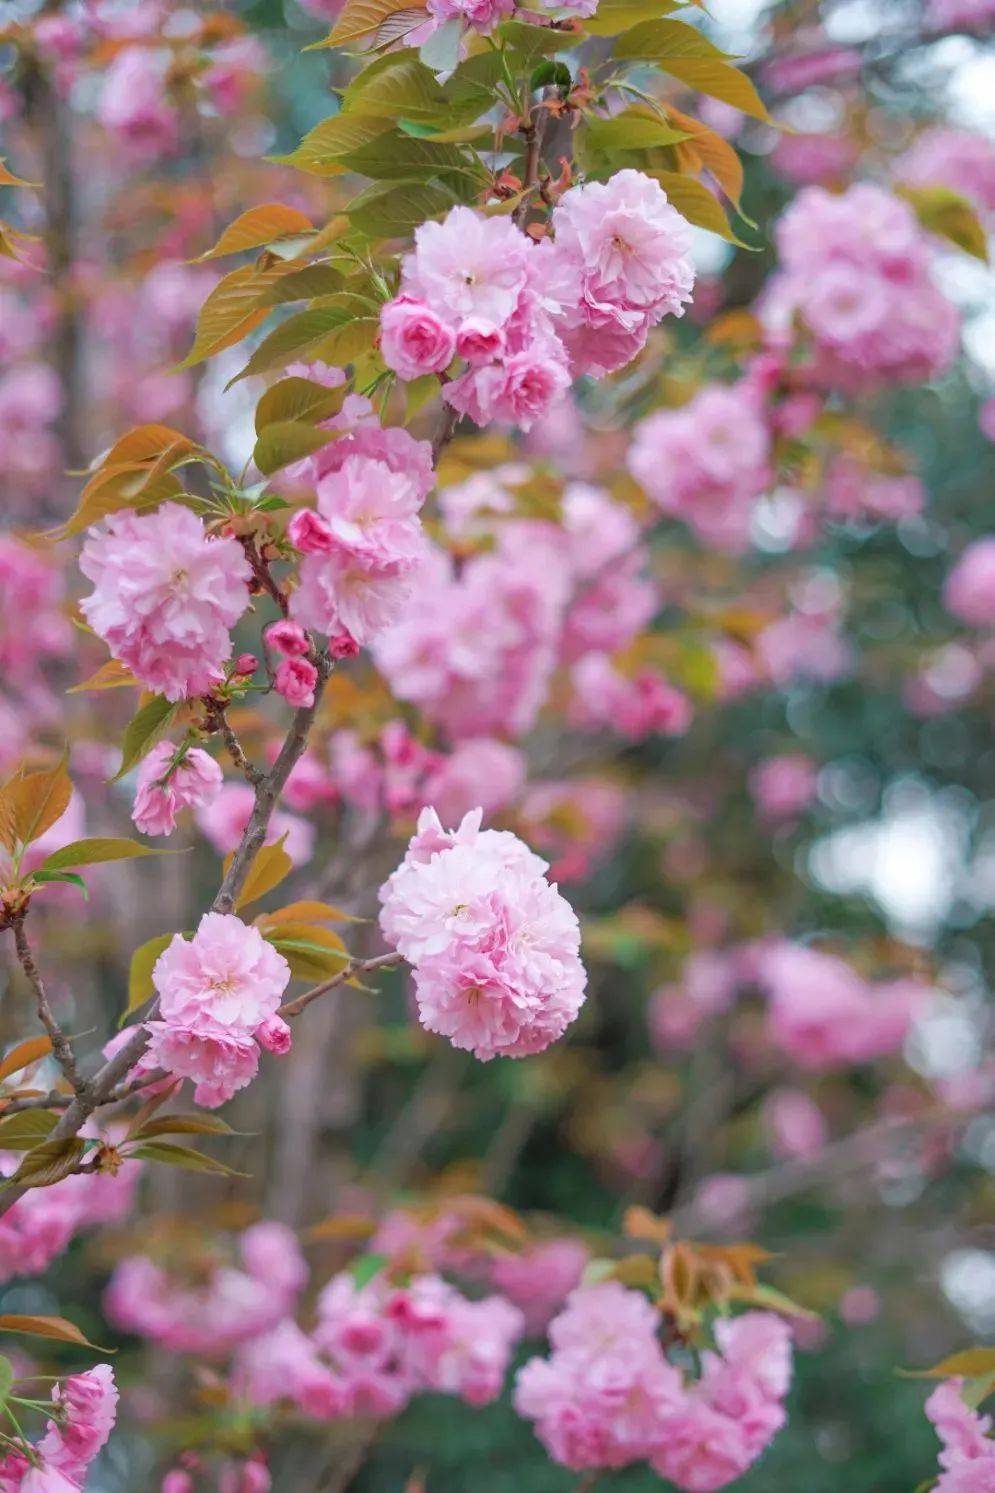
x=473, y=488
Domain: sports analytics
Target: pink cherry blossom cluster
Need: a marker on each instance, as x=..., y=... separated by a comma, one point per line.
x=968, y=1455
x=166, y=594
x=84, y=1409
x=250, y=1475
x=969, y=592
x=41, y=1224
x=577, y=823
x=608, y=1397
x=169, y=781
x=33, y=628
x=218, y=995
x=475, y=650
x=363, y=544
x=494, y=946
x=856, y=272
x=230, y=1303
x=526, y=318
x=376, y=1345
x=707, y=462
x=634, y=703
x=30, y=401
x=821, y=1014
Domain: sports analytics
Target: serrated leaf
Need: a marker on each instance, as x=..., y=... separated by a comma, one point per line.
x=660, y=40
x=234, y=308
x=334, y=331
x=92, y=852
x=298, y=399
x=638, y=128
x=394, y=87
x=32, y=802
x=361, y=17
x=140, y=987
x=48, y=1163
x=397, y=156
x=271, y=866
x=258, y=227
x=322, y=149
x=59, y=1329
x=21, y=1131
x=147, y=726
x=286, y=441
x=614, y=16
x=182, y=1156
x=23, y=1055
x=308, y=284
x=136, y=473
x=395, y=211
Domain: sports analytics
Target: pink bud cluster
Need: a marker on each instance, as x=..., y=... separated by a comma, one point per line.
x=166, y=594
x=163, y=789
x=83, y=1416
x=233, y=1302
x=856, y=272
x=494, y=947
x=608, y=1397
x=525, y=319
x=707, y=463
x=376, y=1345
x=363, y=544
x=218, y=997
x=968, y=1455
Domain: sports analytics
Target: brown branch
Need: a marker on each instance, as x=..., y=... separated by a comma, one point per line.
x=355, y=967
x=62, y=1048
x=249, y=771
x=533, y=133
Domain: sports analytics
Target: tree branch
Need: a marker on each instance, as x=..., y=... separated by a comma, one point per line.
x=62, y=1048
x=355, y=967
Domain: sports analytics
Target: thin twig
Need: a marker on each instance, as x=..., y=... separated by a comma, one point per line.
x=249, y=771
x=355, y=967
x=62, y=1048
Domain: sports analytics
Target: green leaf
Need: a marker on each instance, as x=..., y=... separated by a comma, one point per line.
x=365, y=1267
x=22, y=1131
x=336, y=329
x=614, y=16
x=91, y=852
x=6, y=1379
x=551, y=75
x=950, y=215
x=146, y=727
x=662, y=40
x=48, y=1163
x=528, y=43
x=397, y=156
x=322, y=149
x=140, y=987
x=298, y=399
x=286, y=441
x=181, y=1124
x=182, y=1156
x=969, y=1363
x=68, y=878
x=633, y=129
x=395, y=86
x=395, y=211
x=308, y=284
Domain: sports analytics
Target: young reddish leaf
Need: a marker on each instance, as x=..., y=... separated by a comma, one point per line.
x=56, y=1328
x=359, y=17
x=969, y=1363
x=110, y=675
x=24, y=1054
x=258, y=227
x=32, y=802
x=234, y=308
x=309, y=912
x=8, y=179
x=270, y=867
